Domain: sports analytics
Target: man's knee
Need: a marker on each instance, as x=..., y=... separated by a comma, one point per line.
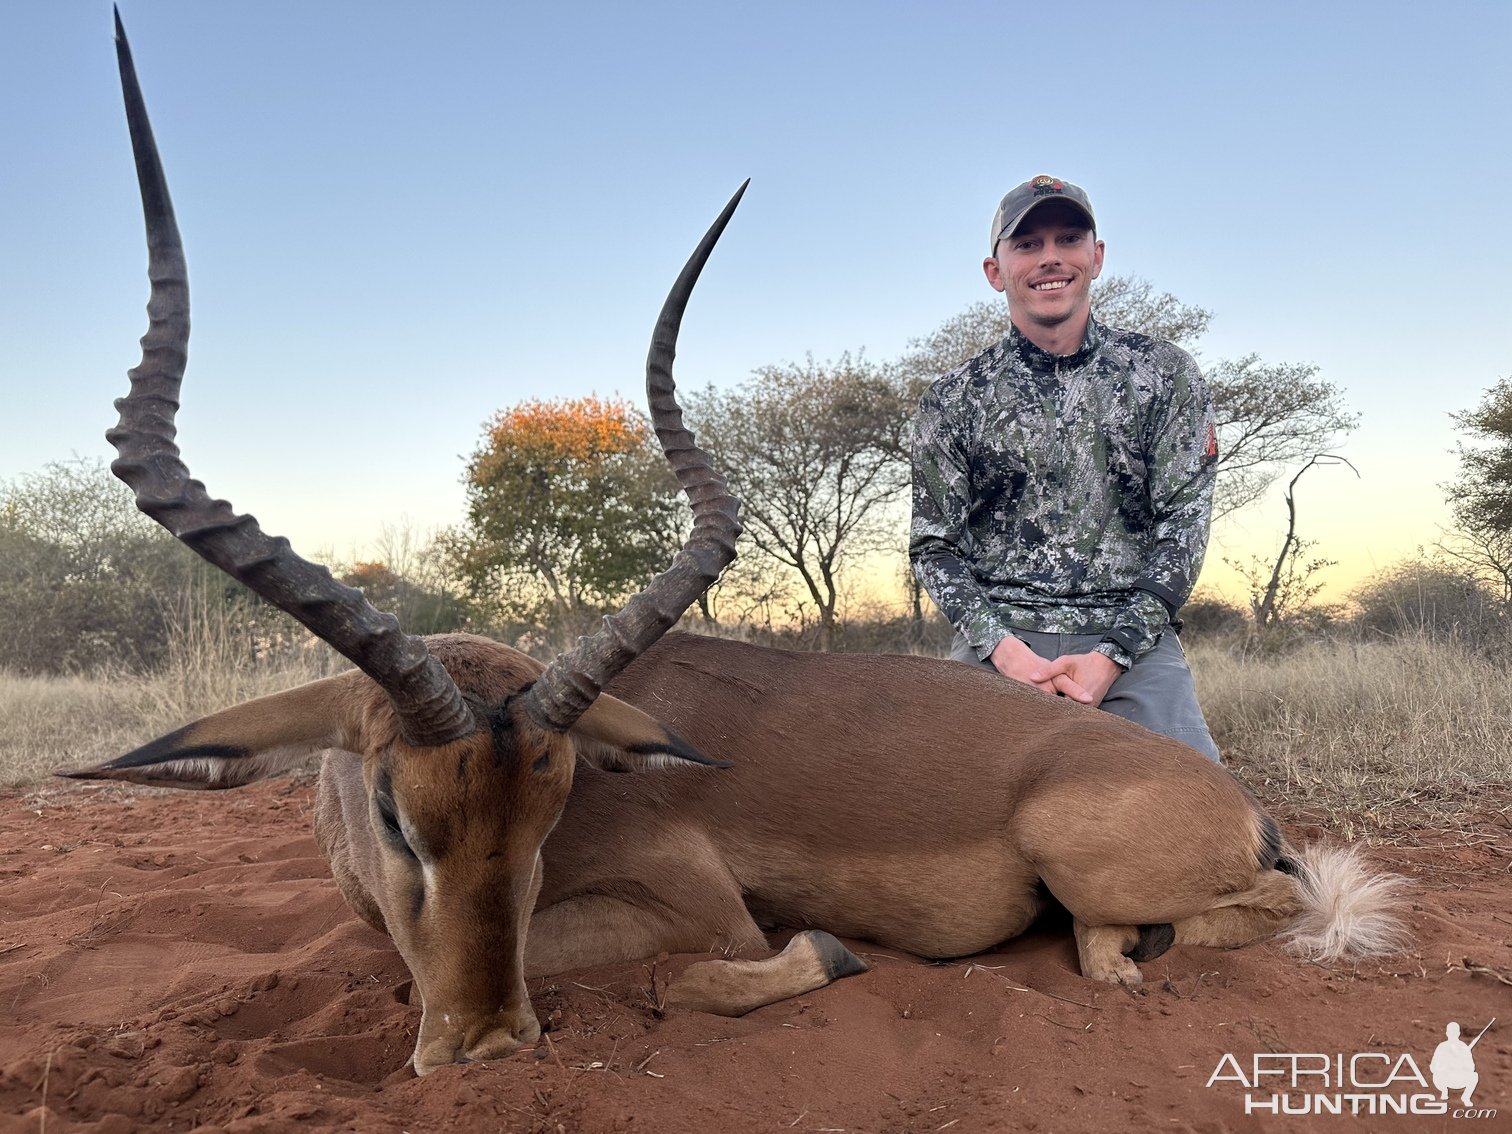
x=1158, y=693
x=963, y=651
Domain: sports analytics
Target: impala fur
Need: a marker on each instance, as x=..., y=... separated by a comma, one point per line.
x=471, y=805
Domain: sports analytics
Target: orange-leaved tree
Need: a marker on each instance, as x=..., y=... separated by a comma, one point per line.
x=571, y=508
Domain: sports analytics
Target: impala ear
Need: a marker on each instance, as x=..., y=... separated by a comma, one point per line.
x=617, y=737
x=237, y=746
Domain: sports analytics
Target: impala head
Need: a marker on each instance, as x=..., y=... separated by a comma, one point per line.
x=453, y=835
x=467, y=747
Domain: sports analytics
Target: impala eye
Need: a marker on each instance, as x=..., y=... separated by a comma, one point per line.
x=390, y=817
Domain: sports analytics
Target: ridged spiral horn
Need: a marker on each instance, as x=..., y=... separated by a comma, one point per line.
x=572, y=681
x=429, y=705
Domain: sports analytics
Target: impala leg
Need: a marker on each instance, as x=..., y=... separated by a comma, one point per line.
x=1101, y=950
x=811, y=960
x=1262, y=911
x=597, y=929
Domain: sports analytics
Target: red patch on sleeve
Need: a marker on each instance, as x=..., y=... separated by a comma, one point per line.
x=1211, y=450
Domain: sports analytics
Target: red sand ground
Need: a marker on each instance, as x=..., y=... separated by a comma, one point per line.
x=183, y=961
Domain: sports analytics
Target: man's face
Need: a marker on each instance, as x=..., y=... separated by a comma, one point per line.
x=1046, y=268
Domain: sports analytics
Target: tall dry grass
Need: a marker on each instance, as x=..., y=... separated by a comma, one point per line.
x=1351, y=727
x=53, y=723
x=1358, y=726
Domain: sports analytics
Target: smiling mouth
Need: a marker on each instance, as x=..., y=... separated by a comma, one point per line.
x=1051, y=285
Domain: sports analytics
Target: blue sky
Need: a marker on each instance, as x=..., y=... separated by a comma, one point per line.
x=400, y=218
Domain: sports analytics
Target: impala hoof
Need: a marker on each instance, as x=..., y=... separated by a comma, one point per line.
x=836, y=960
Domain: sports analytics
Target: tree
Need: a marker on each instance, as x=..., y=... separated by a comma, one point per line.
x=1120, y=301
x=1481, y=496
x=420, y=610
x=1281, y=592
x=412, y=576
x=571, y=507
x=1270, y=416
x=1484, y=553
x=815, y=454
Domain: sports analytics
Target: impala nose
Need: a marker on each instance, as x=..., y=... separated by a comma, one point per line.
x=504, y=1039
x=502, y=1034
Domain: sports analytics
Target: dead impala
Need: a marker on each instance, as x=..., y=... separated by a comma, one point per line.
x=468, y=806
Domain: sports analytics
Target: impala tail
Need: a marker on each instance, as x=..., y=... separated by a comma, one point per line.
x=1349, y=909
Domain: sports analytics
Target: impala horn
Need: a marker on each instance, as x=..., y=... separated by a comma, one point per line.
x=429, y=705
x=572, y=681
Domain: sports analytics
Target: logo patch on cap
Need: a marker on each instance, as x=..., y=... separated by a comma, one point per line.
x=1044, y=184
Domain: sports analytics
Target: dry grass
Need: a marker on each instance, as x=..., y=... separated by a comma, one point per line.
x=52, y=722
x=1356, y=727
x=1352, y=728
x=48, y=723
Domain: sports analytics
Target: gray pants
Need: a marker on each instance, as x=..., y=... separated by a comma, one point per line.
x=1156, y=693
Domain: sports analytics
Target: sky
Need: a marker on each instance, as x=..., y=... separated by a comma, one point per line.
x=400, y=218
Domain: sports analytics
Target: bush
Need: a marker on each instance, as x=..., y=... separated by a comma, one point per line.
x=90, y=584
x=420, y=609
x=83, y=574
x=1206, y=615
x=1432, y=600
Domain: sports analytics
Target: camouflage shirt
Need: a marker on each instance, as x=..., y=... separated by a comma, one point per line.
x=1065, y=494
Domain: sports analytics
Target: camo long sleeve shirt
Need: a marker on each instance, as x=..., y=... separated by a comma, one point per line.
x=1065, y=494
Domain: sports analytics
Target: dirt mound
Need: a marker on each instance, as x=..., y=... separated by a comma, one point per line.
x=184, y=961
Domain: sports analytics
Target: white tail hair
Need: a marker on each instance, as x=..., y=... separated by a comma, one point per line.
x=1349, y=908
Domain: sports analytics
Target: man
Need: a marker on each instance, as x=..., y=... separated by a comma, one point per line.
x=1063, y=483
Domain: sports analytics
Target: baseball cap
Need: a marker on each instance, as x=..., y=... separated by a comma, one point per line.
x=1036, y=191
